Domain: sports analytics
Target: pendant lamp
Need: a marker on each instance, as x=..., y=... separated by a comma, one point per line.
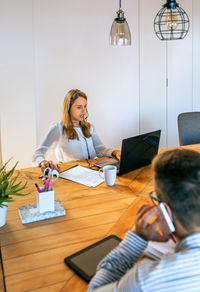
x=171, y=22
x=120, y=33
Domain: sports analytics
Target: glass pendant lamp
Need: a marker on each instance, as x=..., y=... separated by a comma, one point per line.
x=171, y=22
x=120, y=33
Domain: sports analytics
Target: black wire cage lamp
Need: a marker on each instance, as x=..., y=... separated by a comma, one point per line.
x=171, y=22
x=120, y=33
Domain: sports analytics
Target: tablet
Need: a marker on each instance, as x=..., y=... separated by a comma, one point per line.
x=85, y=261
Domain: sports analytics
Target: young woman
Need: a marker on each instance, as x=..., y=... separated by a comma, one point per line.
x=74, y=138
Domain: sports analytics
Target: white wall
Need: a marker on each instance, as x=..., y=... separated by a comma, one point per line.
x=179, y=73
x=196, y=55
x=52, y=46
x=152, y=74
x=72, y=51
x=0, y=145
x=18, y=131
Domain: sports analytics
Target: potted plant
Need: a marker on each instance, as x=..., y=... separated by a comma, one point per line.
x=10, y=186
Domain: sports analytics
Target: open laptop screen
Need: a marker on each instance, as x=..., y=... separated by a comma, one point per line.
x=138, y=151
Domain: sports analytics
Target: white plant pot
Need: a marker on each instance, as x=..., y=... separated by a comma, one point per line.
x=3, y=213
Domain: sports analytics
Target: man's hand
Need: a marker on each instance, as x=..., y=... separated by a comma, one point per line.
x=149, y=224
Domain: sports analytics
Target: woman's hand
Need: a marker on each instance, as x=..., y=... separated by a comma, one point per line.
x=44, y=164
x=117, y=154
x=149, y=224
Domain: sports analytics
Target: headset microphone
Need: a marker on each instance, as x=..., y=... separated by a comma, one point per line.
x=86, y=116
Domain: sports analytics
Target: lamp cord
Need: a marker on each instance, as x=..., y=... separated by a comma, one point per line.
x=120, y=4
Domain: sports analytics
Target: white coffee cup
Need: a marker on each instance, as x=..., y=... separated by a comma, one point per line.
x=109, y=173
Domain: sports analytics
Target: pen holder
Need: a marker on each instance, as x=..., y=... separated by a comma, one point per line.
x=45, y=200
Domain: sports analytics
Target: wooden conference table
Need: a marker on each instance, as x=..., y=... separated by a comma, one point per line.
x=32, y=254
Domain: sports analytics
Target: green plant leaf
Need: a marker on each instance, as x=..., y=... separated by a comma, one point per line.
x=10, y=185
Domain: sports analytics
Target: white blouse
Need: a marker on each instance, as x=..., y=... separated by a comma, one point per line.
x=65, y=149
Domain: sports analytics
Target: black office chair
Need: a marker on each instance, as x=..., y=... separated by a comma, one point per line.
x=189, y=128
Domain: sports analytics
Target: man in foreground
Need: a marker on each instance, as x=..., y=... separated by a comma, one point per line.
x=177, y=184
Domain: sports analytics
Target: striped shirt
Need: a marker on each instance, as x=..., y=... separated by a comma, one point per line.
x=175, y=272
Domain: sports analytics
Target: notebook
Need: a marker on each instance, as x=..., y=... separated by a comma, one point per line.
x=156, y=250
x=136, y=152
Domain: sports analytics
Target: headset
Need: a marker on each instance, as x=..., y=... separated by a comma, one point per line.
x=69, y=103
x=69, y=108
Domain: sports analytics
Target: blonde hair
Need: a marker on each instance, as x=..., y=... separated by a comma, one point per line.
x=67, y=125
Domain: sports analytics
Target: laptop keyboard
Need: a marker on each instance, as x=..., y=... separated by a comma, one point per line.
x=111, y=161
x=116, y=164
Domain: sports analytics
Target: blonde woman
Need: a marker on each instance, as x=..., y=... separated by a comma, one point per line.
x=73, y=138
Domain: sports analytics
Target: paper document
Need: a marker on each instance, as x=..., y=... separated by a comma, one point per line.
x=82, y=175
x=157, y=250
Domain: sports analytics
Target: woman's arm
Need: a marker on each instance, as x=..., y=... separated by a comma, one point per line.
x=51, y=138
x=100, y=149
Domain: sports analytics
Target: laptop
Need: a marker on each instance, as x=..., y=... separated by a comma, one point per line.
x=136, y=152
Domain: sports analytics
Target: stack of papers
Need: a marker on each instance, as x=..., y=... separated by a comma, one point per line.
x=82, y=175
x=157, y=250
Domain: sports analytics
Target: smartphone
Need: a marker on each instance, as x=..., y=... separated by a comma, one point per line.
x=168, y=220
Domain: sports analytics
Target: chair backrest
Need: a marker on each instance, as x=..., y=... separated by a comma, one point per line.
x=189, y=128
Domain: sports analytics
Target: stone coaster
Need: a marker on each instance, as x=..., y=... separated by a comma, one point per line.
x=30, y=213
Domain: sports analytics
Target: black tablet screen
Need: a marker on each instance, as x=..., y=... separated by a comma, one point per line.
x=85, y=261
